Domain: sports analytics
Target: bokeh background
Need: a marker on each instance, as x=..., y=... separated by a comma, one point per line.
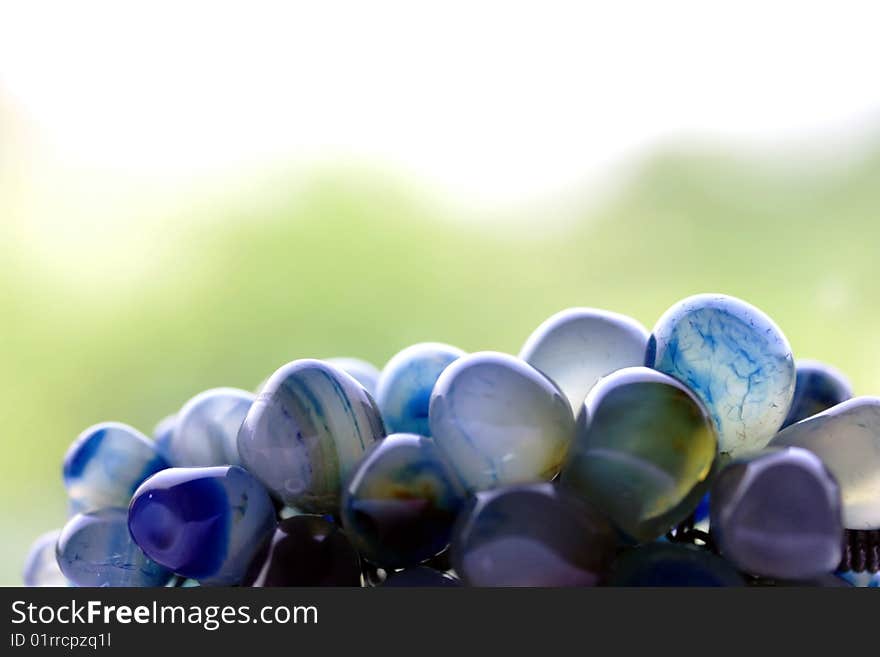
x=193, y=194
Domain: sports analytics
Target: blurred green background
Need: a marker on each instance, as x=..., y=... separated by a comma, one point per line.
x=359, y=264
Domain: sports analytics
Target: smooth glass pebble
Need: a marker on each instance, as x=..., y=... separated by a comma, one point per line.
x=737, y=361
x=421, y=576
x=106, y=463
x=578, y=346
x=532, y=535
x=401, y=502
x=819, y=387
x=305, y=433
x=643, y=453
x=96, y=549
x=306, y=550
x=206, y=431
x=861, y=580
x=847, y=439
x=361, y=371
x=777, y=514
x=500, y=421
x=203, y=523
x=41, y=565
x=162, y=435
x=668, y=564
x=403, y=392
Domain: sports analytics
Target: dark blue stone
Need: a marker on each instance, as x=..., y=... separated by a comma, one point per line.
x=667, y=564
x=818, y=388
x=421, y=576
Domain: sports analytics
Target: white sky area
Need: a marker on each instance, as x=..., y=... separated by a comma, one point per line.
x=494, y=103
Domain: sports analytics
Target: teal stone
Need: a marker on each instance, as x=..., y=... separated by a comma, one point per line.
x=735, y=359
x=41, y=565
x=578, y=346
x=96, y=549
x=403, y=392
x=847, y=439
x=500, y=421
x=305, y=433
x=402, y=500
x=205, y=432
x=361, y=371
x=777, y=514
x=106, y=464
x=643, y=452
x=670, y=565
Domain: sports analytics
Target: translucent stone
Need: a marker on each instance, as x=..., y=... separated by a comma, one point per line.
x=162, y=435
x=401, y=502
x=403, y=392
x=106, y=463
x=96, y=549
x=500, y=421
x=778, y=514
x=643, y=452
x=861, y=580
x=847, y=439
x=819, y=387
x=41, y=565
x=578, y=346
x=531, y=535
x=737, y=361
x=668, y=564
x=361, y=371
x=202, y=523
x=206, y=430
x=306, y=550
x=305, y=433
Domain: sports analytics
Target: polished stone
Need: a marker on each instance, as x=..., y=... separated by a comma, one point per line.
x=305, y=433
x=41, y=565
x=737, y=361
x=306, y=550
x=206, y=431
x=532, y=535
x=203, y=523
x=668, y=564
x=401, y=502
x=578, y=346
x=861, y=580
x=361, y=371
x=421, y=576
x=819, y=387
x=106, y=463
x=500, y=421
x=403, y=392
x=643, y=453
x=162, y=433
x=847, y=439
x=777, y=514
x=96, y=549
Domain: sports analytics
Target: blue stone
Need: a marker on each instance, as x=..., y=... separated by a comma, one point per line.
x=532, y=535
x=643, y=452
x=361, y=371
x=737, y=361
x=96, y=549
x=421, y=576
x=106, y=463
x=500, y=421
x=668, y=564
x=403, y=393
x=847, y=439
x=206, y=430
x=861, y=580
x=777, y=514
x=306, y=550
x=819, y=387
x=162, y=435
x=306, y=432
x=401, y=502
x=203, y=523
x=41, y=565
x=578, y=346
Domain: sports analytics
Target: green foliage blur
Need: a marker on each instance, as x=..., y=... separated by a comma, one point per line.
x=352, y=265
